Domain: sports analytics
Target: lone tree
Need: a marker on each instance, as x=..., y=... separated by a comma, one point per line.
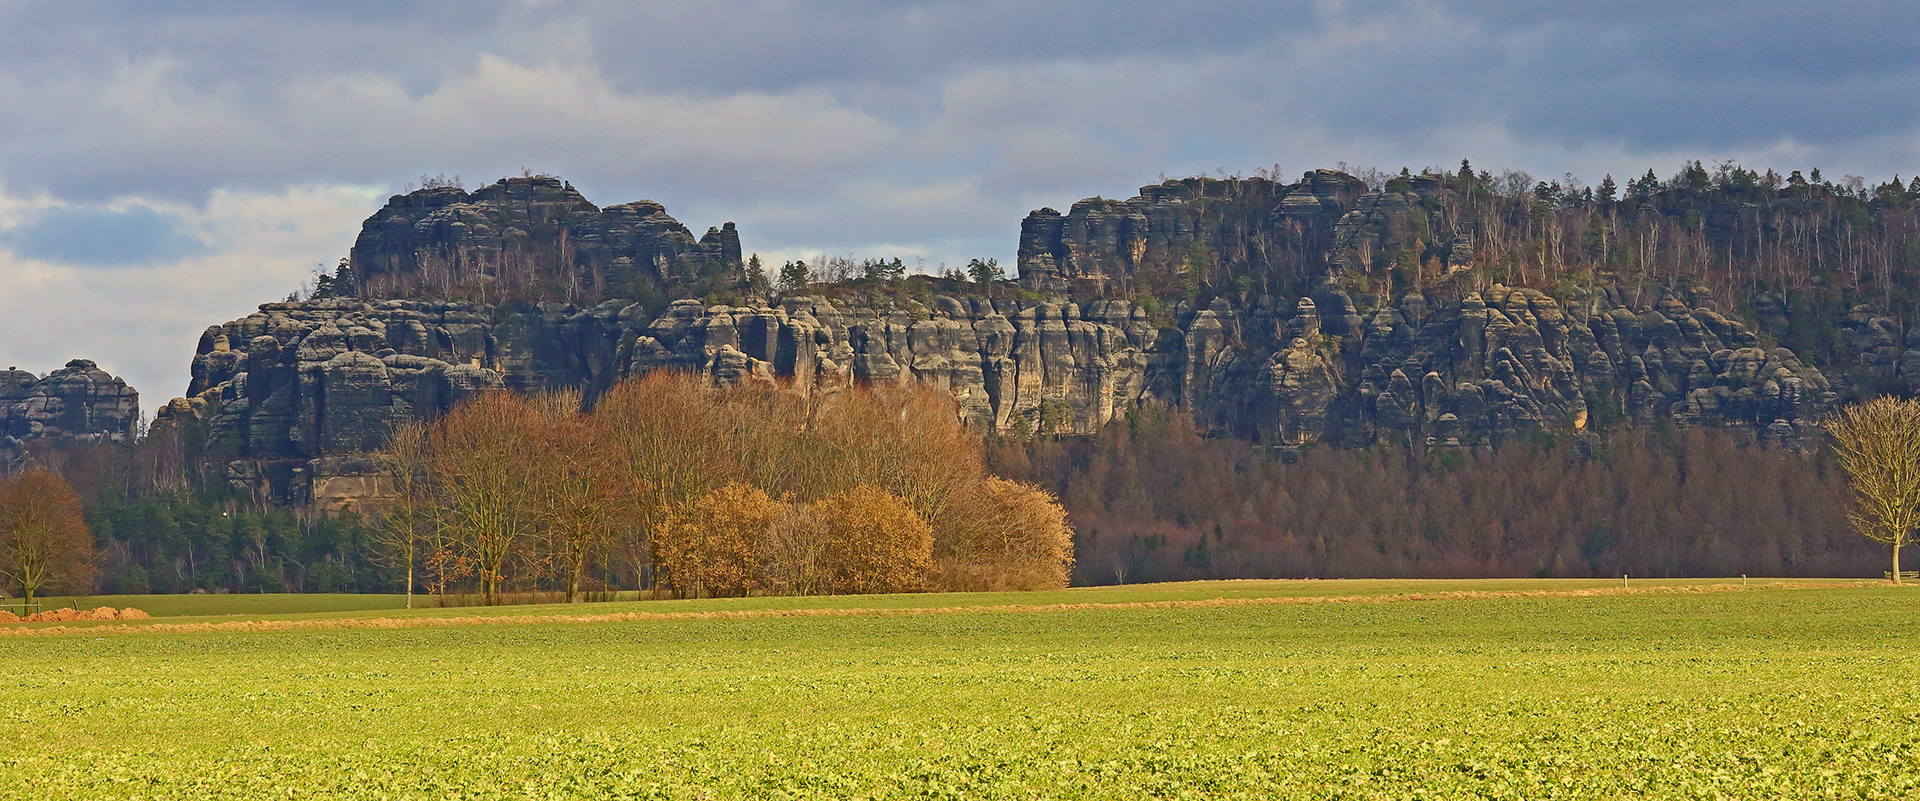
x=406, y=522
x=44, y=543
x=1878, y=443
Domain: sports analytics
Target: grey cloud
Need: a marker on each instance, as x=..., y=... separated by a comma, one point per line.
x=97, y=237
x=104, y=99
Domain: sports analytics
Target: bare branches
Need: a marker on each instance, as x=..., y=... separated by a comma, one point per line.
x=1878, y=444
x=714, y=490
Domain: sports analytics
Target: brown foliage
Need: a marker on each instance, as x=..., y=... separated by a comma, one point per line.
x=793, y=552
x=875, y=542
x=713, y=544
x=44, y=542
x=1008, y=535
x=907, y=441
x=1152, y=500
x=581, y=501
x=671, y=438
x=680, y=476
x=483, y=470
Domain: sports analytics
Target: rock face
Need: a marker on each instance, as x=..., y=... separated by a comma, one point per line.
x=1175, y=227
x=1486, y=368
x=288, y=401
x=527, y=237
x=291, y=397
x=74, y=404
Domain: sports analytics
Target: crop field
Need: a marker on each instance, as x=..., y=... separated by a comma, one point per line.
x=1296, y=689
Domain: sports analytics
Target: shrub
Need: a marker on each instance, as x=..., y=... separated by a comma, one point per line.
x=875, y=542
x=711, y=546
x=1007, y=536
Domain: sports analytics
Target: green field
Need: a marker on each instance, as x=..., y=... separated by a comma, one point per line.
x=1766, y=692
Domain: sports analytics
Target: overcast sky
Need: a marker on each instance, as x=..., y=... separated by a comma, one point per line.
x=166, y=166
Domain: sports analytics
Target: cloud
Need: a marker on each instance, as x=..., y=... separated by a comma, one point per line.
x=142, y=322
x=101, y=237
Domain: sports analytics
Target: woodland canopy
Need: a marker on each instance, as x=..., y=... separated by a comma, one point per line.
x=671, y=483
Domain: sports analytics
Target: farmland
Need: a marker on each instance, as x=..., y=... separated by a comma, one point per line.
x=1473, y=689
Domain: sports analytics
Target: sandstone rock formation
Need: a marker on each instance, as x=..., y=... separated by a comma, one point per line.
x=1169, y=226
x=288, y=401
x=527, y=237
x=291, y=397
x=74, y=404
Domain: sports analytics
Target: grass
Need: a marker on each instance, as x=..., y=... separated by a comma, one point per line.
x=1769, y=692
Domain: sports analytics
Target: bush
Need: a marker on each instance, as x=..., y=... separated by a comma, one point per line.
x=875, y=542
x=711, y=546
x=1007, y=536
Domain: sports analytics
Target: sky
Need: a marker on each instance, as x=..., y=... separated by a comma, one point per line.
x=169, y=166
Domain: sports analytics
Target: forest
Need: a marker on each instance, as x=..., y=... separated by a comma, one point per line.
x=1152, y=500
x=1809, y=261
x=666, y=483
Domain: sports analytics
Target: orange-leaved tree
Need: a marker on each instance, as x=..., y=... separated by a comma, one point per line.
x=875, y=542
x=667, y=446
x=44, y=542
x=1008, y=535
x=713, y=544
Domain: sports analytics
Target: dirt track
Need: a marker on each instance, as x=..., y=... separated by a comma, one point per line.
x=748, y=614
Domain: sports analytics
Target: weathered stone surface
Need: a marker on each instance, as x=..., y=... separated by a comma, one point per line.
x=1168, y=227
x=325, y=379
x=527, y=236
x=76, y=403
x=289, y=397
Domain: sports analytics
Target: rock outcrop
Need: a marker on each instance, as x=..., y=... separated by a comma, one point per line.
x=78, y=403
x=288, y=401
x=527, y=237
x=1175, y=227
x=291, y=397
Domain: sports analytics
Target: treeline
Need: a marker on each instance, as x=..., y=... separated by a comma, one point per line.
x=671, y=483
x=1152, y=500
x=1730, y=229
x=158, y=529
x=1736, y=231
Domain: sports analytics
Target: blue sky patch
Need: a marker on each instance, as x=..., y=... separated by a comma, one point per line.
x=96, y=237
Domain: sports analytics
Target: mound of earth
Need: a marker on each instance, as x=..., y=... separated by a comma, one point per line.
x=65, y=615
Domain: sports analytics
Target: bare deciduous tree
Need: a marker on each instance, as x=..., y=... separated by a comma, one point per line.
x=1878, y=444
x=582, y=502
x=484, y=470
x=406, y=520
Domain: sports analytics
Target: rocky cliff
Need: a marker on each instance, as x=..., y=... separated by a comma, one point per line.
x=291, y=397
x=77, y=403
x=532, y=237
x=1276, y=343
x=1238, y=226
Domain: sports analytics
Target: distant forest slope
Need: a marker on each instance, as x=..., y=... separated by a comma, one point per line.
x=1154, y=501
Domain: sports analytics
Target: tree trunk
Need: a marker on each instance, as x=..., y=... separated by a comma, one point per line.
x=409, y=581
x=1896, y=563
